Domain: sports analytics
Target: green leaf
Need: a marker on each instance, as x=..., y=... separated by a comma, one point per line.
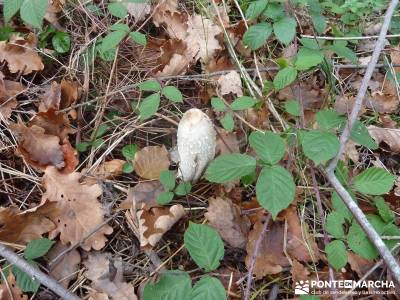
x=138, y=38
x=128, y=167
x=120, y=27
x=82, y=147
x=165, y=198
x=37, y=248
x=167, y=179
x=228, y=122
x=274, y=11
x=307, y=58
x=183, y=188
x=218, y=104
x=204, y=245
x=129, y=151
x=98, y=143
x=10, y=8
x=208, y=288
x=171, y=285
x=25, y=282
x=284, y=78
x=149, y=86
x=334, y=224
x=149, y=106
x=228, y=167
x=360, y=135
x=341, y=208
x=255, y=9
x=339, y=47
x=342, y=173
x=374, y=181
x=359, y=242
x=285, y=30
x=103, y=128
x=61, y=42
x=319, y=146
x=269, y=146
x=337, y=254
x=319, y=22
x=118, y=10
x=384, y=210
x=275, y=189
x=112, y=40
x=256, y=36
x=312, y=43
x=32, y=12
x=328, y=119
x=243, y=102
x=106, y=55
x=172, y=94
x=293, y=107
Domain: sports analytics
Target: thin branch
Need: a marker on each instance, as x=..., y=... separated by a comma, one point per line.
x=364, y=85
x=347, y=38
x=38, y=275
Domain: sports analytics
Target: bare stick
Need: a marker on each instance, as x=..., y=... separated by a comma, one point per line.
x=364, y=85
x=44, y=279
x=254, y=257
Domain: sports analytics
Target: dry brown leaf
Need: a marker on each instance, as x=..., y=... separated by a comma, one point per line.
x=20, y=56
x=173, y=59
x=70, y=93
x=109, y=169
x=359, y=264
x=299, y=271
x=351, y=151
x=395, y=57
x=22, y=227
x=389, y=136
x=8, y=91
x=79, y=212
x=150, y=161
x=65, y=269
x=230, y=83
x=38, y=148
x=55, y=7
x=139, y=10
x=227, y=142
x=106, y=274
x=98, y=296
x=51, y=98
x=11, y=286
x=166, y=14
x=225, y=217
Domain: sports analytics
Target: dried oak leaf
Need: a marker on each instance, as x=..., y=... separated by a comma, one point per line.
x=38, y=148
x=20, y=56
x=150, y=161
x=225, y=217
x=390, y=136
x=230, y=83
x=11, y=291
x=79, y=212
x=51, y=98
x=65, y=269
x=8, y=91
x=173, y=59
x=21, y=227
x=106, y=274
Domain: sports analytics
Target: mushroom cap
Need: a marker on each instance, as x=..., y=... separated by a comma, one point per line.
x=196, y=144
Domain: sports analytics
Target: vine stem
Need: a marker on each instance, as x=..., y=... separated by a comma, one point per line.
x=38, y=275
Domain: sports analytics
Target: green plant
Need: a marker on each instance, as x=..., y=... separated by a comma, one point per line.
x=128, y=152
x=96, y=141
x=31, y=11
x=167, y=179
x=60, y=41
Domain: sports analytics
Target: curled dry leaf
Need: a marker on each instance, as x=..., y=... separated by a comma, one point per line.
x=59, y=96
x=65, y=269
x=8, y=91
x=230, y=83
x=106, y=274
x=173, y=59
x=54, y=7
x=150, y=161
x=79, y=212
x=20, y=56
x=359, y=264
x=166, y=14
x=11, y=287
x=21, y=227
x=390, y=136
x=225, y=217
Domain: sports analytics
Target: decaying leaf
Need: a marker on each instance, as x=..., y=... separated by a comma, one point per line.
x=358, y=264
x=8, y=91
x=166, y=14
x=227, y=142
x=225, y=217
x=106, y=274
x=390, y=136
x=109, y=169
x=10, y=290
x=230, y=83
x=144, y=193
x=150, y=161
x=299, y=271
x=139, y=10
x=51, y=98
x=79, y=212
x=173, y=59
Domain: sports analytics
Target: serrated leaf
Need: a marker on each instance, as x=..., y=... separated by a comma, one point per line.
x=274, y=11
x=307, y=58
x=284, y=78
x=112, y=40
x=172, y=94
x=183, y=188
x=61, y=42
x=204, y=245
x=319, y=146
x=359, y=242
x=360, y=135
x=256, y=8
x=384, y=210
x=118, y=10
x=218, y=104
x=244, y=102
x=339, y=47
x=138, y=38
x=275, y=189
x=341, y=208
x=37, y=248
x=165, y=198
x=328, y=119
x=149, y=106
x=167, y=179
x=256, y=35
x=334, y=224
x=10, y=8
x=374, y=181
x=319, y=22
x=228, y=122
x=149, y=86
x=32, y=12
x=208, y=288
x=293, y=107
x=342, y=173
x=269, y=146
x=25, y=282
x=129, y=151
x=285, y=29
x=171, y=285
x=337, y=254
x=228, y=167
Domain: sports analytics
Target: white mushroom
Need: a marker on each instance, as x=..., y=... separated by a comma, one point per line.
x=196, y=144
